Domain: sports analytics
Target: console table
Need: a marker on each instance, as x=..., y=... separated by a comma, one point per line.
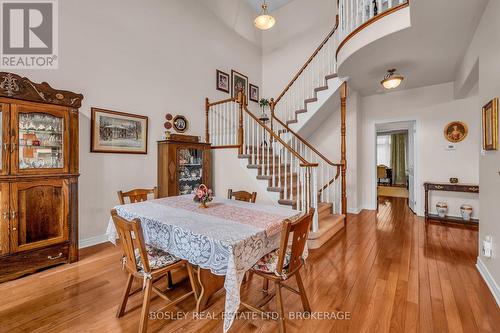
x=449, y=187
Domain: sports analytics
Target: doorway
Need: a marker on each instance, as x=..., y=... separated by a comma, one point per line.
x=395, y=162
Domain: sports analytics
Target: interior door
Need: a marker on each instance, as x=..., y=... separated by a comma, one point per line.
x=40, y=140
x=411, y=167
x=38, y=212
x=4, y=219
x=5, y=138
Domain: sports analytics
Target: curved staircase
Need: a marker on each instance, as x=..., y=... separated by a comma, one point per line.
x=287, y=166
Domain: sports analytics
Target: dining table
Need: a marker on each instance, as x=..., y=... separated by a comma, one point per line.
x=224, y=240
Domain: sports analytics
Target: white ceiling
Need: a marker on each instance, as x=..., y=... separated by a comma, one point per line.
x=427, y=53
x=272, y=4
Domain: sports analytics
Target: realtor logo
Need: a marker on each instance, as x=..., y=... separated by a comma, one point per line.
x=29, y=34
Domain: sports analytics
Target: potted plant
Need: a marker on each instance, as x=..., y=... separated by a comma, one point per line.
x=264, y=104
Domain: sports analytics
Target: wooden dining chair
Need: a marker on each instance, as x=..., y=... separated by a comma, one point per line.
x=282, y=264
x=146, y=263
x=137, y=195
x=242, y=195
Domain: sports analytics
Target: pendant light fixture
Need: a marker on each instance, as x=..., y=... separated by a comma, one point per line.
x=264, y=21
x=392, y=79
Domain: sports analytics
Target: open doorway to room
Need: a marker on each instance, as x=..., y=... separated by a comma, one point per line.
x=395, y=162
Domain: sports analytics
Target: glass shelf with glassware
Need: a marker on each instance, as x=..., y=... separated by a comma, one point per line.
x=40, y=141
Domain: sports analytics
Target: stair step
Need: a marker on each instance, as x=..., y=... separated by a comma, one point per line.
x=310, y=100
x=328, y=227
x=301, y=111
x=293, y=121
x=324, y=209
x=320, y=88
x=331, y=76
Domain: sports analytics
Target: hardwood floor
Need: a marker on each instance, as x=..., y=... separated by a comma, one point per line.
x=387, y=273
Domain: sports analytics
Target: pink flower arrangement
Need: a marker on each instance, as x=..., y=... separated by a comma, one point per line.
x=203, y=195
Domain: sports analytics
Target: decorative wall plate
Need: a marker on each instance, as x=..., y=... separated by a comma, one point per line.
x=180, y=124
x=455, y=131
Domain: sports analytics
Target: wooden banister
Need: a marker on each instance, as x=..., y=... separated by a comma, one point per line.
x=222, y=101
x=303, y=161
x=304, y=141
x=330, y=34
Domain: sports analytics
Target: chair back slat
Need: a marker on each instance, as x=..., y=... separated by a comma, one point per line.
x=131, y=238
x=242, y=195
x=298, y=230
x=137, y=195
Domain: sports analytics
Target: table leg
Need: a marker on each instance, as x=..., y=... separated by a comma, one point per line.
x=210, y=284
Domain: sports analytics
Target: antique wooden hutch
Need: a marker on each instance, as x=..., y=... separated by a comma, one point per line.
x=183, y=164
x=38, y=176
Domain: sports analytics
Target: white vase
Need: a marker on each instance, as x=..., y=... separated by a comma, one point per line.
x=442, y=209
x=466, y=211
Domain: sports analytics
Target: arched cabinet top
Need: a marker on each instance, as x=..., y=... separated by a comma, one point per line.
x=15, y=86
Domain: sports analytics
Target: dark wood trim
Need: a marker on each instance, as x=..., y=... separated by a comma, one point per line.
x=369, y=22
x=22, y=88
x=92, y=129
x=449, y=187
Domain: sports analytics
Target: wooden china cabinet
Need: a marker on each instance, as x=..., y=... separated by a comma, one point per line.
x=38, y=176
x=183, y=165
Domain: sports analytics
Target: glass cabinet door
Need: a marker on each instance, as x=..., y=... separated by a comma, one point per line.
x=190, y=169
x=41, y=140
x=38, y=213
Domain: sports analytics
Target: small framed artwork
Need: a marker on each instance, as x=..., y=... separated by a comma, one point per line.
x=222, y=81
x=490, y=125
x=455, y=131
x=118, y=132
x=180, y=124
x=238, y=82
x=254, y=93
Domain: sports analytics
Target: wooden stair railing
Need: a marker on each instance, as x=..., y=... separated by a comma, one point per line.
x=310, y=78
x=311, y=75
x=229, y=124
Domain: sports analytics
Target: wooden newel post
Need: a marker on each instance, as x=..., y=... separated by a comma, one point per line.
x=272, y=105
x=207, y=109
x=343, y=155
x=241, y=101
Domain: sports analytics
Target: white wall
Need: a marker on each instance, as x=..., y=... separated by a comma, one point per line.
x=432, y=107
x=300, y=27
x=146, y=57
x=229, y=172
x=485, y=50
x=326, y=138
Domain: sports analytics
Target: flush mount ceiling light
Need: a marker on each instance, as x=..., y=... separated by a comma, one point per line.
x=264, y=21
x=392, y=79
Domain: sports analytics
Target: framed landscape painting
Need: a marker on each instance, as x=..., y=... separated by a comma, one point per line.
x=118, y=132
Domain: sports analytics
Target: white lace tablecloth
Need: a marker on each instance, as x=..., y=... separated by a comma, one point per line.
x=228, y=240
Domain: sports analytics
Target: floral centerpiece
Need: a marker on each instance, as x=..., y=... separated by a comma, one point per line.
x=203, y=195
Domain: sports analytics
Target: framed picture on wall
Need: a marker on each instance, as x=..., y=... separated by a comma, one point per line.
x=254, y=93
x=455, y=131
x=222, y=81
x=238, y=82
x=118, y=132
x=490, y=125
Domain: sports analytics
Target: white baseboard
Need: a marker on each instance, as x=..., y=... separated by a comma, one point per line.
x=490, y=282
x=99, y=239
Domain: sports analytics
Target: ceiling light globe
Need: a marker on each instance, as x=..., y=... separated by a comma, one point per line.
x=264, y=22
x=392, y=83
